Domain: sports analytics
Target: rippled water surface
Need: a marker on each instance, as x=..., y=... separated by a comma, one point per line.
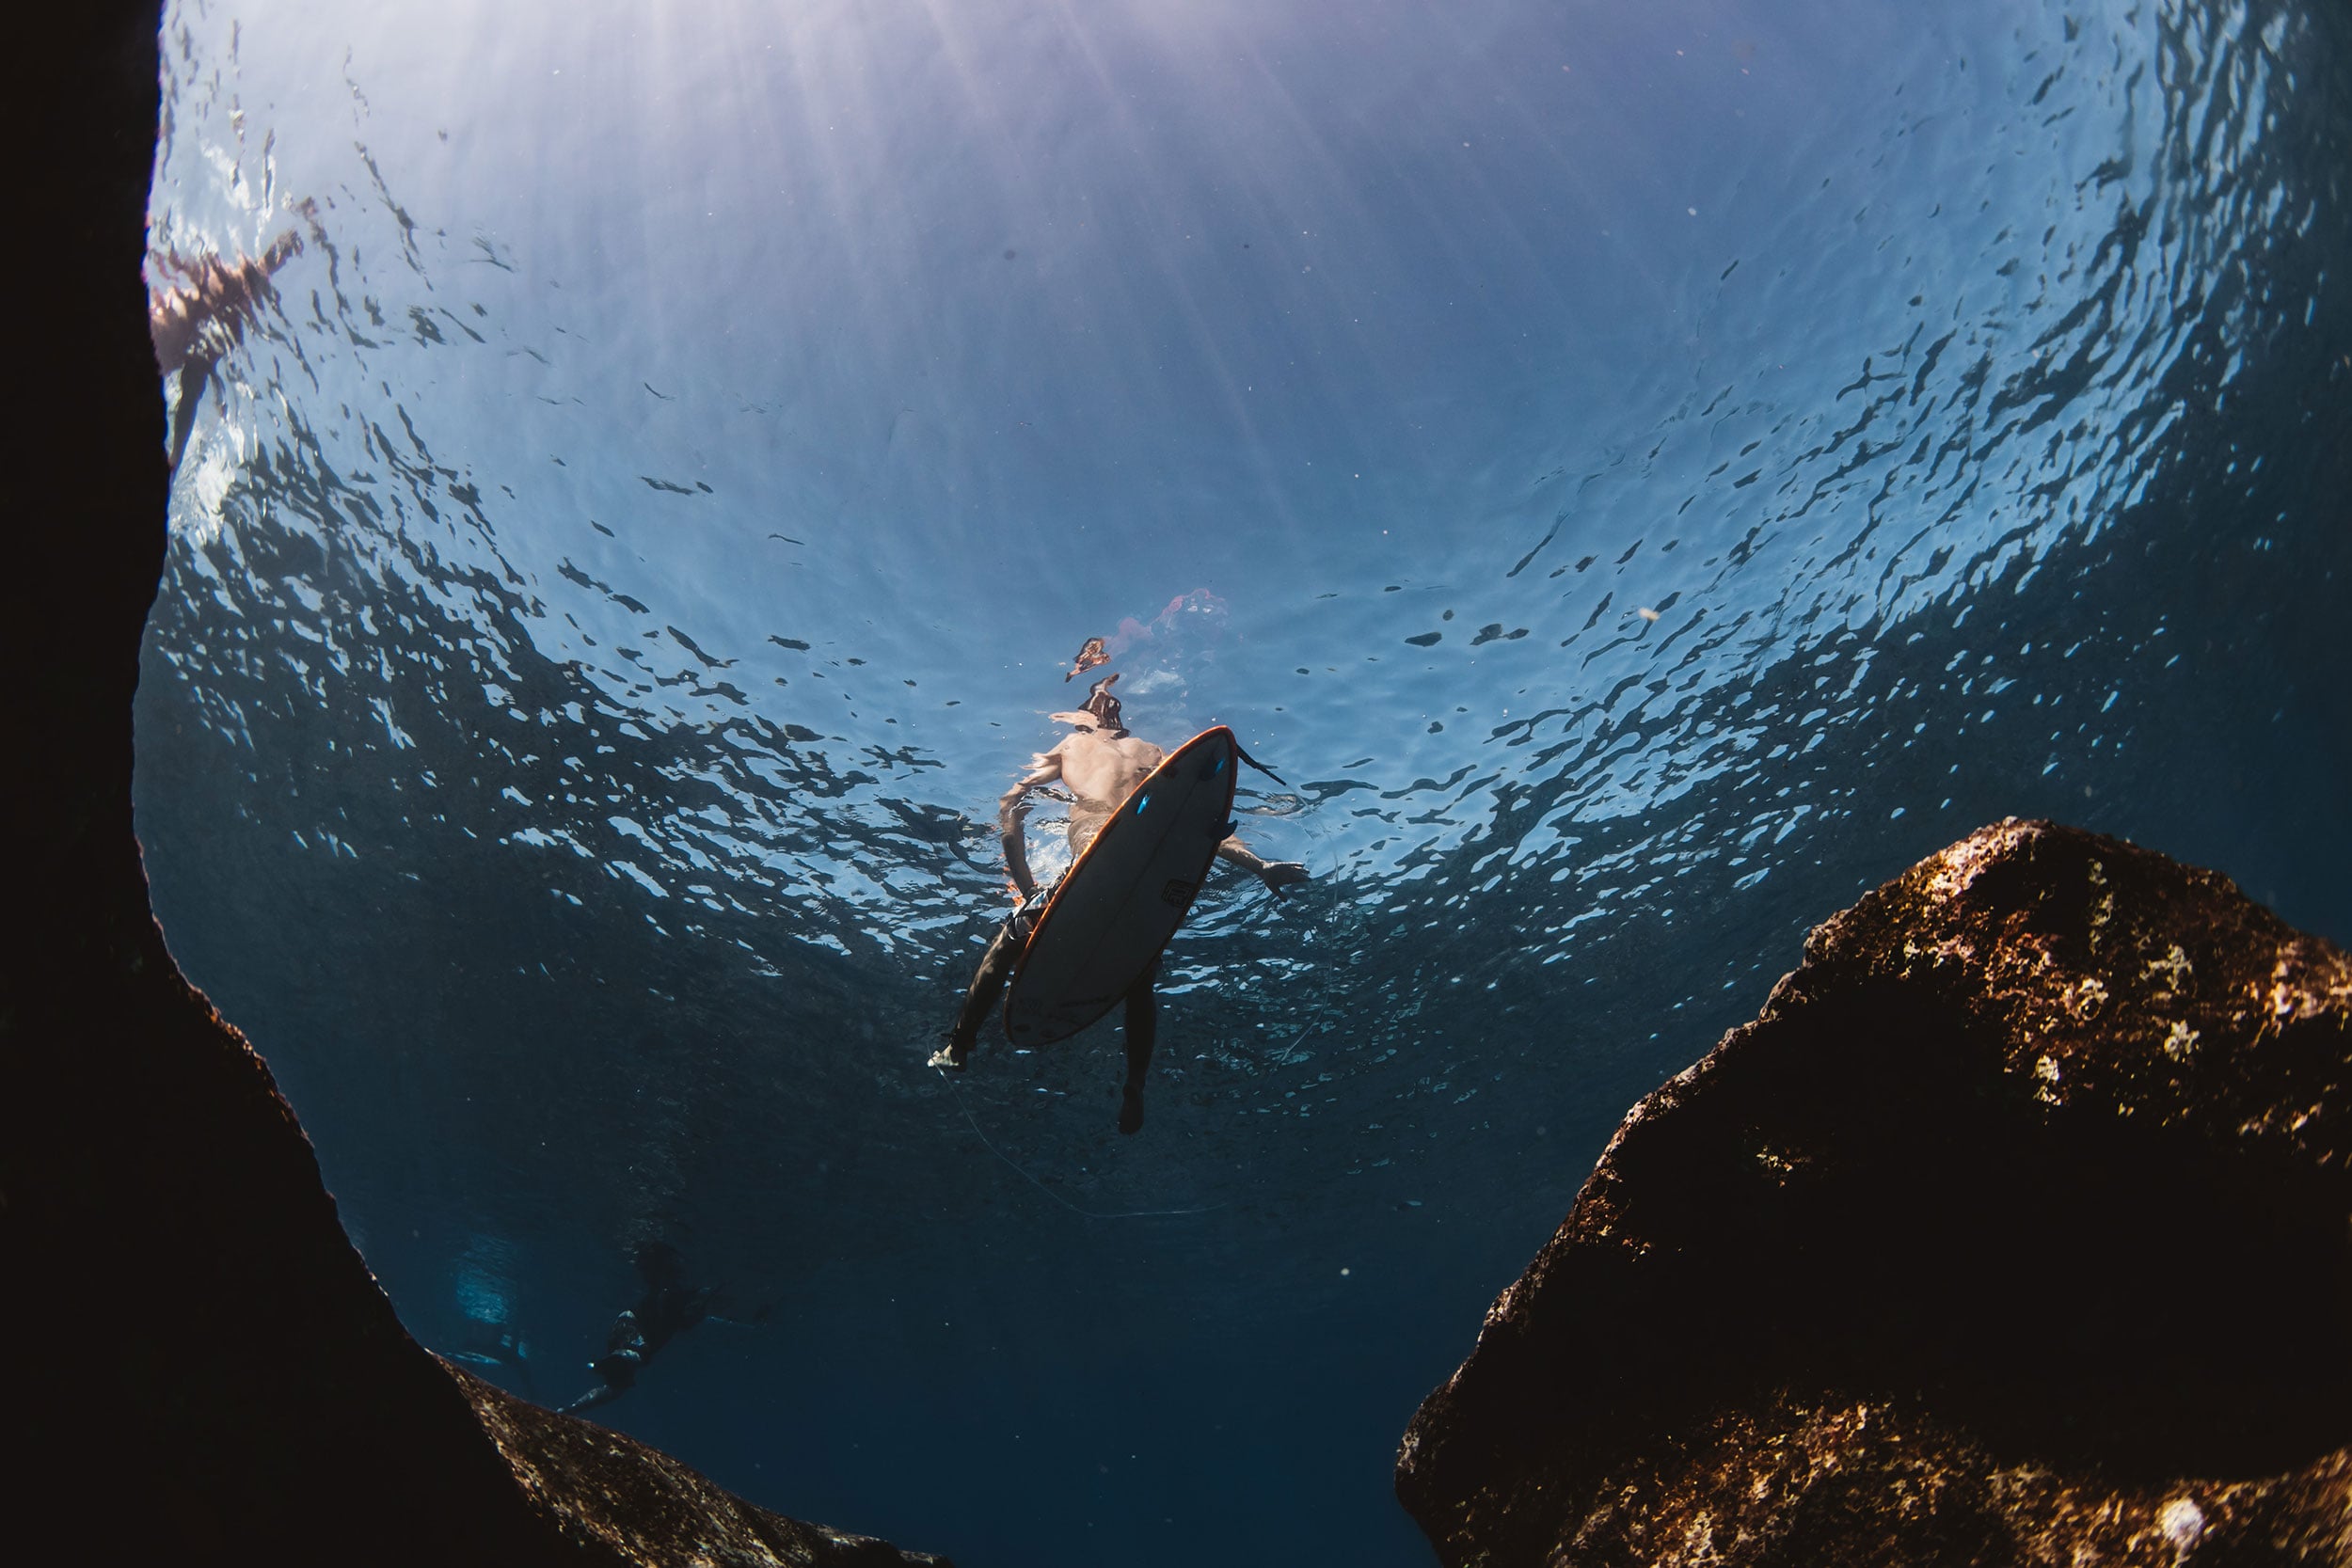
x=1640, y=475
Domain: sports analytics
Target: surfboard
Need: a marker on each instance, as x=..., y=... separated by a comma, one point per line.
x=1123, y=899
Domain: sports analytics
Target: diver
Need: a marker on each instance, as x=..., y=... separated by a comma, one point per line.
x=667, y=1309
x=194, y=321
x=1100, y=762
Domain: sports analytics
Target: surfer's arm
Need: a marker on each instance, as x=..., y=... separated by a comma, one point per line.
x=1277, y=874
x=1012, y=810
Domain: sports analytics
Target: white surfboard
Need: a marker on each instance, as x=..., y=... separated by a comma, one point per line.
x=1123, y=900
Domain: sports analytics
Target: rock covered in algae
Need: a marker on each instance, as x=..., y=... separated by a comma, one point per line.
x=2017, y=1228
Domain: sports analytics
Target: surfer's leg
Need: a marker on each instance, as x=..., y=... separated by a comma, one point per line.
x=987, y=984
x=1143, y=1022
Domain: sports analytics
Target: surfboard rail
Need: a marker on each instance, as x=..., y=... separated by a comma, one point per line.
x=1111, y=915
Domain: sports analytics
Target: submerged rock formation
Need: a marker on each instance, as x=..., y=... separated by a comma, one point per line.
x=621, y=1501
x=2016, y=1229
x=202, y=1369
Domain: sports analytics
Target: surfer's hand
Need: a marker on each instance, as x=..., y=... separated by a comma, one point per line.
x=1279, y=875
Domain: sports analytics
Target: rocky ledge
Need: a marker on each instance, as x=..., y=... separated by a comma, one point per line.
x=202, y=1369
x=2016, y=1229
x=619, y=1501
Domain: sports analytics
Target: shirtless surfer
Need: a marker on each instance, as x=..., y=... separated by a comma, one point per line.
x=1100, y=762
x=203, y=315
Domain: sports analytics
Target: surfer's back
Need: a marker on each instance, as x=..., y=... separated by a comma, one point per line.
x=1102, y=769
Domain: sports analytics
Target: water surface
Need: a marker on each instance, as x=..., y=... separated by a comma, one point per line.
x=1642, y=480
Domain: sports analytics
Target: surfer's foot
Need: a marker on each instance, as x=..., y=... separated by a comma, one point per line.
x=947, y=1058
x=1131, y=1109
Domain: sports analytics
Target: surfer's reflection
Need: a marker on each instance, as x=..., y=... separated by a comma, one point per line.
x=1100, y=764
x=198, y=309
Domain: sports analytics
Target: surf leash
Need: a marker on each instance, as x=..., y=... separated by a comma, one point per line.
x=1132, y=1214
x=1260, y=767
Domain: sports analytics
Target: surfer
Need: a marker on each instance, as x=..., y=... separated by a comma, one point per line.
x=1100, y=762
x=667, y=1309
x=201, y=316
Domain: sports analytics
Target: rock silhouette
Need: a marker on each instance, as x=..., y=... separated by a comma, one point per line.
x=205, y=1369
x=2016, y=1229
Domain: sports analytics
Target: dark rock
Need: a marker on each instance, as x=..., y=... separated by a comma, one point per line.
x=201, y=1368
x=625, y=1503
x=2016, y=1229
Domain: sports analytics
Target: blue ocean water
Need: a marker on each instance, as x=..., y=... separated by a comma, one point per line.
x=1641, y=475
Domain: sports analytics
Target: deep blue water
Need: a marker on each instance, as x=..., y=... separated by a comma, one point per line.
x=1642, y=474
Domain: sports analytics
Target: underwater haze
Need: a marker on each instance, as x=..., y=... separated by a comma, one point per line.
x=1642, y=474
